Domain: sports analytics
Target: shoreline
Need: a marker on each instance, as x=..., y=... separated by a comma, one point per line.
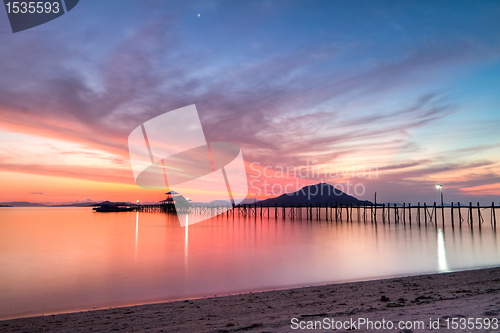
x=439, y=296
x=223, y=294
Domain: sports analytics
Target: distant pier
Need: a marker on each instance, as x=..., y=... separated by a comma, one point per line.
x=421, y=214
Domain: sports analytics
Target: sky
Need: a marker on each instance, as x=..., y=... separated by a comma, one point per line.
x=390, y=97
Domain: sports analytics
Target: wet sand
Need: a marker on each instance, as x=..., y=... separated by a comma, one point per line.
x=435, y=300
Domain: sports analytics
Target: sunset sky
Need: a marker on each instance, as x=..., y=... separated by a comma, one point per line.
x=410, y=89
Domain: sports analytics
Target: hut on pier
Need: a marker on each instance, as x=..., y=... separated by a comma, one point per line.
x=174, y=200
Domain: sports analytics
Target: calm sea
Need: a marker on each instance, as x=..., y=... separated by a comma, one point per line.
x=68, y=259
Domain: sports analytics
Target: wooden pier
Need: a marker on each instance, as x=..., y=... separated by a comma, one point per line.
x=459, y=215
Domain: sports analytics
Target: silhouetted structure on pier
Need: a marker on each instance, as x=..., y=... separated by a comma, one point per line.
x=175, y=203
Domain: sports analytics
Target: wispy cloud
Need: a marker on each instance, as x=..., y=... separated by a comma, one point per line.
x=334, y=101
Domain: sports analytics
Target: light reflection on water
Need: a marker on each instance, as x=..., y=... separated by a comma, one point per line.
x=136, y=232
x=66, y=259
x=442, y=262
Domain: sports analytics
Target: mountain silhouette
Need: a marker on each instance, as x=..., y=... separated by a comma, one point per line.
x=318, y=194
x=22, y=204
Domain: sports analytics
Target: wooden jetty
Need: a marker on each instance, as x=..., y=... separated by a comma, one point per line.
x=420, y=214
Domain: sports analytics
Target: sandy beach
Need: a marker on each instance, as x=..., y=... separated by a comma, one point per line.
x=467, y=301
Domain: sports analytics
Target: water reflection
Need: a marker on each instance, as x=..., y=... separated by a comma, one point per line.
x=442, y=263
x=136, y=232
x=186, y=233
x=54, y=260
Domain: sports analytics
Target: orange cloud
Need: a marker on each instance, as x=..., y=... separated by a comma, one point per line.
x=17, y=186
x=489, y=189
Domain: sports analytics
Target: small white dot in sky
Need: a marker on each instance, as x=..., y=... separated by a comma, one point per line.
x=198, y=15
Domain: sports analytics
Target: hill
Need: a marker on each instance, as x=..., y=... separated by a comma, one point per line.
x=22, y=204
x=318, y=194
x=83, y=204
